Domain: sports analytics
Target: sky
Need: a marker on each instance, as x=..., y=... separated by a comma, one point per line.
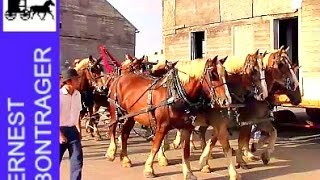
x=146, y=16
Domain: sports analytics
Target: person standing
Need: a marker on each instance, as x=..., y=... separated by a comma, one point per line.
x=70, y=129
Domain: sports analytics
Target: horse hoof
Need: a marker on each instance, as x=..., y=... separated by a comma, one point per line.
x=265, y=158
x=206, y=169
x=190, y=176
x=126, y=164
x=98, y=138
x=175, y=146
x=254, y=158
x=163, y=162
x=109, y=158
x=236, y=177
x=149, y=175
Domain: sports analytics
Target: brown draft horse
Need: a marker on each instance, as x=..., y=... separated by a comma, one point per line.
x=94, y=87
x=250, y=81
x=90, y=73
x=163, y=104
x=280, y=76
x=130, y=64
x=278, y=72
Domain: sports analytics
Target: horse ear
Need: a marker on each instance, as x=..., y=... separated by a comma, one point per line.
x=282, y=47
x=295, y=68
x=174, y=64
x=265, y=53
x=223, y=60
x=256, y=53
x=91, y=58
x=287, y=49
x=215, y=59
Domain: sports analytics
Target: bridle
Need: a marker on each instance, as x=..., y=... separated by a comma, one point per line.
x=212, y=89
x=284, y=59
x=250, y=66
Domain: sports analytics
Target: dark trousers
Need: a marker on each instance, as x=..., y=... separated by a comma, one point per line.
x=75, y=151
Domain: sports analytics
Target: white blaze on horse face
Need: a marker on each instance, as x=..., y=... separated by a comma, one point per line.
x=221, y=71
x=263, y=84
x=294, y=77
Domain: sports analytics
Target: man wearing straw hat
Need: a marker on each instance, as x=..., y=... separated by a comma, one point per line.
x=70, y=129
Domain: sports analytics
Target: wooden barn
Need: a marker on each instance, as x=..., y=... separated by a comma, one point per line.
x=85, y=24
x=205, y=28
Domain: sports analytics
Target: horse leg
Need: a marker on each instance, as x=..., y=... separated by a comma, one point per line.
x=202, y=131
x=95, y=125
x=176, y=142
x=158, y=138
x=45, y=13
x=223, y=137
x=51, y=14
x=244, y=138
x=186, y=168
x=33, y=14
x=192, y=145
x=111, y=152
x=127, y=127
x=204, y=158
x=39, y=15
x=249, y=157
x=81, y=117
x=162, y=159
x=166, y=145
x=272, y=132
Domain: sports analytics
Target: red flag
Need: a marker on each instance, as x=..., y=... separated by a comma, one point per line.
x=104, y=58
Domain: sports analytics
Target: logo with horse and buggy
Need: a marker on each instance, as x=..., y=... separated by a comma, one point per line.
x=20, y=7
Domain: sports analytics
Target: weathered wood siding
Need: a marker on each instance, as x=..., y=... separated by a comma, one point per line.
x=87, y=24
x=309, y=48
x=223, y=21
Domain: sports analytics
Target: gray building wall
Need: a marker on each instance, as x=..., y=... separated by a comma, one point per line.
x=85, y=24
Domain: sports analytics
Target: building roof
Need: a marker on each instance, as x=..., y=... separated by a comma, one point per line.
x=121, y=15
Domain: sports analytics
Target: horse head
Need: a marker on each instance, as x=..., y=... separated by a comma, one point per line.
x=281, y=71
x=49, y=3
x=254, y=75
x=161, y=69
x=131, y=64
x=214, y=82
x=91, y=73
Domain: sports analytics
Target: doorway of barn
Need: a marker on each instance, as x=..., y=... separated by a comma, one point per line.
x=286, y=33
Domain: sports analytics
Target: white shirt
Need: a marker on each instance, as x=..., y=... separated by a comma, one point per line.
x=70, y=107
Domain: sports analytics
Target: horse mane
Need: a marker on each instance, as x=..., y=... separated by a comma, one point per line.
x=190, y=69
x=234, y=64
x=82, y=64
x=268, y=56
x=126, y=62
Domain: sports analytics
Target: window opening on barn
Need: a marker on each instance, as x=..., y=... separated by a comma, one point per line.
x=197, y=45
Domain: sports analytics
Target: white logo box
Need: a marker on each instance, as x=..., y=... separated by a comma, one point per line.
x=17, y=24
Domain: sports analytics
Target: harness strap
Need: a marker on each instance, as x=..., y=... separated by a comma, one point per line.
x=152, y=112
x=256, y=121
x=145, y=110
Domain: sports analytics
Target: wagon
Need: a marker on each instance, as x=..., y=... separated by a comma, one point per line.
x=17, y=7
